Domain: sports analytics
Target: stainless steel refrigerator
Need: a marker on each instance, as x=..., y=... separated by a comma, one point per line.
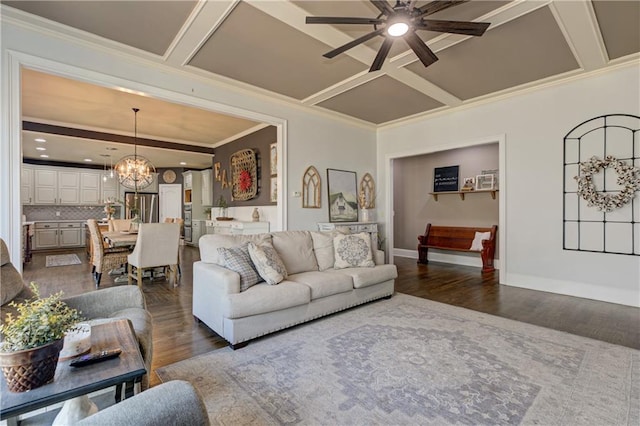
x=147, y=206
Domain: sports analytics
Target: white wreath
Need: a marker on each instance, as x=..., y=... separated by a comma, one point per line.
x=628, y=178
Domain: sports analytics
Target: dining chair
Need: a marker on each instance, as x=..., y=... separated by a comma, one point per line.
x=179, y=221
x=119, y=225
x=157, y=246
x=104, y=258
x=168, y=220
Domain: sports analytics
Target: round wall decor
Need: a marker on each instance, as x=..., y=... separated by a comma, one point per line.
x=628, y=178
x=169, y=176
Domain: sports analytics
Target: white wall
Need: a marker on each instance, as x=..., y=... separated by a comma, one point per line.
x=309, y=138
x=534, y=125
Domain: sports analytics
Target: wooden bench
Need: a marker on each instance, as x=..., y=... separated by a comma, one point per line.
x=458, y=239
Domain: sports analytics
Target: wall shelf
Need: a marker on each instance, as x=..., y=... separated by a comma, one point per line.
x=463, y=193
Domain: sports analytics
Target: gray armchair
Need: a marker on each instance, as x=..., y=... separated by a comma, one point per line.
x=174, y=403
x=100, y=306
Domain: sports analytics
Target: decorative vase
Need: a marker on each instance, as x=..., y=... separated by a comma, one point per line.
x=255, y=215
x=30, y=368
x=368, y=215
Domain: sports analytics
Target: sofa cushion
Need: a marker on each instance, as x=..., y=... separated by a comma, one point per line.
x=365, y=277
x=322, y=284
x=323, y=247
x=267, y=263
x=296, y=250
x=12, y=284
x=352, y=251
x=209, y=244
x=263, y=298
x=238, y=259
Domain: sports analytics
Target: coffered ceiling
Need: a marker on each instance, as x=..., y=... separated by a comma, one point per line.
x=267, y=47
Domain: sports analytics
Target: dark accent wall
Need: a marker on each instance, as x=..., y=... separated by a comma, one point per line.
x=258, y=141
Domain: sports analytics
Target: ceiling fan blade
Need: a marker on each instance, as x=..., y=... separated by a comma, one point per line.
x=456, y=27
x=382, y=54
x=383, y=6
x=422, y=51
x=353, y=43
x=341, y=20
x=437, y=6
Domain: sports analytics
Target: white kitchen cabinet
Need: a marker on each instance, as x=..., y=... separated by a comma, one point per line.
x=187, y=178
x=45, y=186
x=90, y=187
x=70, y=234
x=46, y=235
x=207, y=187
x=56, y=186
x=49, y=235
x=26, y=185
x=68, y=187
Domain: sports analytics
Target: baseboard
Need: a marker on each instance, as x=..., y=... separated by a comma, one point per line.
x=455, y=259
x=576, y=289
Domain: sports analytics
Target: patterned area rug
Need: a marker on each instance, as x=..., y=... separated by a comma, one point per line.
x=413, y=361
x=63, y=260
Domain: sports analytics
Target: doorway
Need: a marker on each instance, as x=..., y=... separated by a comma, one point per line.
x=170, y=201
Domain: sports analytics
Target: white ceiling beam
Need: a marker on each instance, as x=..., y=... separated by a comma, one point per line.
x=578, y=23
x=203, y=21
x=294, y=16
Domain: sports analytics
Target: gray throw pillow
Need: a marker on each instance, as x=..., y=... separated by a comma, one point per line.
x=237, y=259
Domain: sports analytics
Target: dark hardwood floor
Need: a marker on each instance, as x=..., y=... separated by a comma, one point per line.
x=177, y=337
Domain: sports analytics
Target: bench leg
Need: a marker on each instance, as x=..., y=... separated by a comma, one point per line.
x=422, y=255
x=487, y=261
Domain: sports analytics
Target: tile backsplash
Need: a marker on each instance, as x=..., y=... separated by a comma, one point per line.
x=35, y=213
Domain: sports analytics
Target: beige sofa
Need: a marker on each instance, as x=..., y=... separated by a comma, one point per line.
x=312, y=289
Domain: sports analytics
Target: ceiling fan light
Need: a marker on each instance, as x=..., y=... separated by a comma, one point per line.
x=398, y=29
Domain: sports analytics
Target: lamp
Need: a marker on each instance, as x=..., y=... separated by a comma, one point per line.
x=135, y=171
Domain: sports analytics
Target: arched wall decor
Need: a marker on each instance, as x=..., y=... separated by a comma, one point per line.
x=367, y=195
x=311, y=187
x=601, y=206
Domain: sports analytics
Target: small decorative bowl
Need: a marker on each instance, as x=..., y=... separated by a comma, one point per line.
x=76, y=342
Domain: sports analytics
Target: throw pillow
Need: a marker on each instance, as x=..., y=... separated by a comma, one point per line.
x=352, y=251
x=476, y=245
x=237, y=259
x=268, y=263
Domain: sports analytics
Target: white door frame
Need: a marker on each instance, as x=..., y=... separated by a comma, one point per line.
x=502, y=213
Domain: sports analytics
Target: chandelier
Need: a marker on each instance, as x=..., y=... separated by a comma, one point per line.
x=135, y=171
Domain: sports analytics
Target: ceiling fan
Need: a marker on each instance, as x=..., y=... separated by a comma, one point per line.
x=402, y=21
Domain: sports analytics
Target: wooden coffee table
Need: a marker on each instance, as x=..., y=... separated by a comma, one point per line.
x=71, y=382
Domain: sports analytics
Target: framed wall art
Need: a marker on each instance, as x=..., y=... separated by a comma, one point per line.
x=343, y=195
x=445, y=179
x=485, y=182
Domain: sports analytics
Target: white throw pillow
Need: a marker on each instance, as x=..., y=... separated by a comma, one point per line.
x=268, y=263
x=352, y=251
x=476, y=245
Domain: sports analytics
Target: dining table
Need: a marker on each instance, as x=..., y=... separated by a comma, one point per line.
x=120, y=238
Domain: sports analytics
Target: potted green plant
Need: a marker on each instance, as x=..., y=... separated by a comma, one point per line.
x=33, y=338
x=207, y=212
x=222, y=206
